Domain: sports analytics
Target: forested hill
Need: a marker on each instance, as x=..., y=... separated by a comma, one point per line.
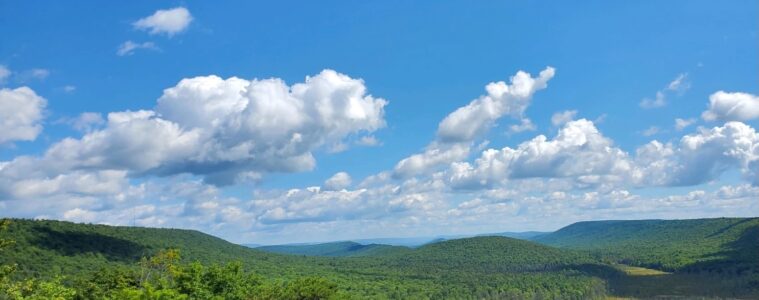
x=494, y=253
x=42, y=244
x=697, y=244
x=111, y=262
x=335, y=249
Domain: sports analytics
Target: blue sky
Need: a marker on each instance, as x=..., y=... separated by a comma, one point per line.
x=610, y=60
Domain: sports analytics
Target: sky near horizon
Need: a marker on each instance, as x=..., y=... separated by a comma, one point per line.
x=294, y=122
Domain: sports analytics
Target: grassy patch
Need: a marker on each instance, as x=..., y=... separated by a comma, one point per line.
x=638, y=271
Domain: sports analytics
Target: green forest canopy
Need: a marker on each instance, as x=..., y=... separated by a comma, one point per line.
x=86, y=261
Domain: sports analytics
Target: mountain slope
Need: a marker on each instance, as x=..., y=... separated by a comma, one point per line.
x=69, y=247
x=334, y=249
x=697, y=244
x=479, y=267
x=493, y=253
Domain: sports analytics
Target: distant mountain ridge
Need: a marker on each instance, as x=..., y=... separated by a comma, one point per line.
x=334, y=249
x=708, y=257
x=666, y=244
x=377, y=246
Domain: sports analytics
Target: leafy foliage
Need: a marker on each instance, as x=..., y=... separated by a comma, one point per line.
x=725, y=245
x=209, y=267
x=63, y=260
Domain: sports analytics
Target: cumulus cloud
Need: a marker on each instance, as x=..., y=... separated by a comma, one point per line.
x=223, y=129
x=21, y=114
x=458, y=130
x=524, y=125
x=435, y=155
x=472, y=120
x=339, y=181
x=578, y=150
x=561, y=118
x=725, y=106
x=314, y=205
x=700, y=157
x=128, y=47
x=78, y=182
x=165, y=21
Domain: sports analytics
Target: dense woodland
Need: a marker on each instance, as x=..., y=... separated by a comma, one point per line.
x=708, y=257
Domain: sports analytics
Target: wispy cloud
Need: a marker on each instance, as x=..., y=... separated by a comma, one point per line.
x=681, y=124
x=677, y=86
x=129, y=47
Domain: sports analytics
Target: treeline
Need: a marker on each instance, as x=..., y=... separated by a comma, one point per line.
x=162, y=277
x=63, y=260
x=725, y=246
x=83, y=261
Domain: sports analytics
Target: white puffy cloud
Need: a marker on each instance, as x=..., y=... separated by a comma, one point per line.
x=578, y=150
x=78, y=182
x=457, y=131
x=472, y=120
x=314, y=205
x=725, y=106
x=561, y=118
x=700, y=157
x=338, y=181
x=124, y=144
x=21, y=114
x=681, y=124
x=168, y=21
x=222, y=129
x=434, y=156
x=128, y=47
x=524, y=125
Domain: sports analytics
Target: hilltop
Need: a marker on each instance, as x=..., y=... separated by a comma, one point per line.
x=710, y=257
x=335, y=249
x=670, y=245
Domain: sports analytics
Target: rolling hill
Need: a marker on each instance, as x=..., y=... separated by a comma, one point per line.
x=105, y=258
x=335, y=249
x=70, y=247
x=495, y=253
x=720, y=244
x=581, y=266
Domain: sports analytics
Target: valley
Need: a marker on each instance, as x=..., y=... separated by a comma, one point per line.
x=639, y=259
